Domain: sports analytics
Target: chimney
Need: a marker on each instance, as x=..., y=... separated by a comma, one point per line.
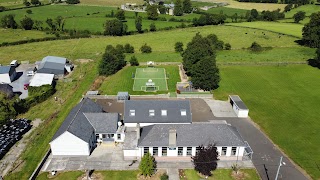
x=138, y=131
x=172, y=138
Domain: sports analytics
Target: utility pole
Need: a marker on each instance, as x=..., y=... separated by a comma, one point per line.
x=280, y=164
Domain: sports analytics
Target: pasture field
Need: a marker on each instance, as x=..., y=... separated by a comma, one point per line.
x=109, y=2
x=15, y=3
x=223, y=174
x=291, y=20
x=122, y=81
x=161, y=43
x=11, y=35
x=156, y=75
x=283, y=28
x=227, y=11
x=284, y=101
x=309, y=9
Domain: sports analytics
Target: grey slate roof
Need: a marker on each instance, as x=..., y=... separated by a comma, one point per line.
x=55, y=59
x=103, y=122
x=76, y=122
x=4, y=69
x=51, y=68
x=142, y=108
x=7, y=89
x=238, y=101
x=191, y=135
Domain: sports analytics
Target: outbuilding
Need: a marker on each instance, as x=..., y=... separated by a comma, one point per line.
x=238, y=106
x=7, y=74
x=40, y=79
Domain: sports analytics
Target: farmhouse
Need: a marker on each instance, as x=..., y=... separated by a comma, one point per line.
x=54, y=65
x=84, y=126
x=149, y=112
x=7, y=74
x=7, y=90
x=40, y=79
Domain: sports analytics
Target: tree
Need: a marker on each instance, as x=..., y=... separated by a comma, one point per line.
x=138, y=22
x=27, y=23
x=205, y=74
x=2, y=8
x=152, y=12
x=153, y=27
x=317, y=58
x=162, y=9
x=215, y=42
x=145, y=49
x=7, y=21
x=255, y=47
x=187, y=6
x=112, y=60
x=7, y=110
x=26, y=3
x=115, y=27
x=288, y=8
x=178, y=47
x=38, y=25
x=60, y=22
x=299, y=16
x=310, y=31
x=51, y=24
x=147, y=165
x=227, y=46
x=35, y=2
x=178, y=11
x=206, y=159
x=254, y=14
x=73, y=1
x=134, y=61
x=120, y=14
x=128, y=48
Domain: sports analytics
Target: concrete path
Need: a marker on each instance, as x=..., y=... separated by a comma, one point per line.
x=266, y=155
x=173, y=173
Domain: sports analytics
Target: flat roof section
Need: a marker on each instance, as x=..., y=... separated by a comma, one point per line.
x=236, y=99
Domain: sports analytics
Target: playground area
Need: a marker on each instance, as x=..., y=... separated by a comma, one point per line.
x=150, y=79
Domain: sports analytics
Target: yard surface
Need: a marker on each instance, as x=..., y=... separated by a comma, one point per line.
x=223, y=174
x=283, y=100
x=156, y=75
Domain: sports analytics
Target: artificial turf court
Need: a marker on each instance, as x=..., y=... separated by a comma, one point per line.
x=143, y=75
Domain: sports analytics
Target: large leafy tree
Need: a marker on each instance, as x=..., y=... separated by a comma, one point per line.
x=72, y=1
x=115, y=27
x=205, y=74
x=27, y=23
x=7, y=21
x=152, y=12
x=7, y=110
x=206, y=159
x=112, y=60
x=311, y=31
x=317, y=58
x=147, y=165
x=120, y=14
x=187, y=6
x=178, y=10
x=299, y=16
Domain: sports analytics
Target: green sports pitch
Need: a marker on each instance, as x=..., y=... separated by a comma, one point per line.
x=150, y=79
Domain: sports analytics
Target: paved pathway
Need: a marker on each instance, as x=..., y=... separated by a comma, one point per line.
x=266, y=155
x=173, y=173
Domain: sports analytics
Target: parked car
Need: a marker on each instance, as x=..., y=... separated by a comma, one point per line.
x=14, y=63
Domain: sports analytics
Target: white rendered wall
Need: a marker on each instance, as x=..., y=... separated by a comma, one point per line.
x=5, y=78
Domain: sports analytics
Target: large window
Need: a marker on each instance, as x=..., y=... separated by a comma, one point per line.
x=164, y=151
x=180, y=151
x=145, y=150
x=234, y=151
x=189, y=151
x=224, y=151
x=155, y=151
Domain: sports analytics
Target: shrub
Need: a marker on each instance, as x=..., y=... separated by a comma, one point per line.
x=178, y=47
x=153, y=27
x=134, y=61
x=128, y=48
x=147, y=165
x=145, y=49
x=227, y=46
x=164, y=177
x=255, y=47
x=29, y=11
x=2, y=8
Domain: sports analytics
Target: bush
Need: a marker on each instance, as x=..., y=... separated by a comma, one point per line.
x=128, y=48
x=145, y=49
x=29, y=11
x=134, y=61
x=164, y=177
x=178, y=47
x=153, y=27
x=227, y=46
x=255, y=47
x=147, y=165
x=2, y=8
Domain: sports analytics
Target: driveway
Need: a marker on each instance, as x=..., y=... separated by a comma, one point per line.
x=266, y=155
x=21, y=79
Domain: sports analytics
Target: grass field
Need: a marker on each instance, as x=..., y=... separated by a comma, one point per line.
x=109, y=2
x=284, y=101
x=227, y=11
x=284, y=28
x=72, y=175
x=15, y=3
x=122, y=81
x=309, y=9
x=11, y=35
x=157, y=76
x=223, y=174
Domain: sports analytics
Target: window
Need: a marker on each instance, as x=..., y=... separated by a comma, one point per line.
x=155, y=151
x=119, y=136
x=189, y=151
x=180, y=151
x=145, y=150
x=224, y=151
x=164, y=151
x=103, y=136
x=132, y=112
x=197, y=149
x=163, y=112
x=151, y=112
x=234, y=151
x=183, y=112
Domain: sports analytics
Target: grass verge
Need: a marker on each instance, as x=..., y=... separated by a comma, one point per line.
x=225, y=174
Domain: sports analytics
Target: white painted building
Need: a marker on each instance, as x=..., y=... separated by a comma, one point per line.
x=7, y=74
x=41, y=79
x=238, y=106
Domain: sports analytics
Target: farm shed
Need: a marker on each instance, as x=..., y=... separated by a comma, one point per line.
x=238, y=106
x=40, y=79
x=122, y=96
x=7, y=74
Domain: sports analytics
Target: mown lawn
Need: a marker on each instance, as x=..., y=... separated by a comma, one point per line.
x=122, y=81
x=11, y=35
x=223, y=174
x=283, y=28
x=284, y=101
x=118, y=175
x=162, y=44
x=71, y=175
